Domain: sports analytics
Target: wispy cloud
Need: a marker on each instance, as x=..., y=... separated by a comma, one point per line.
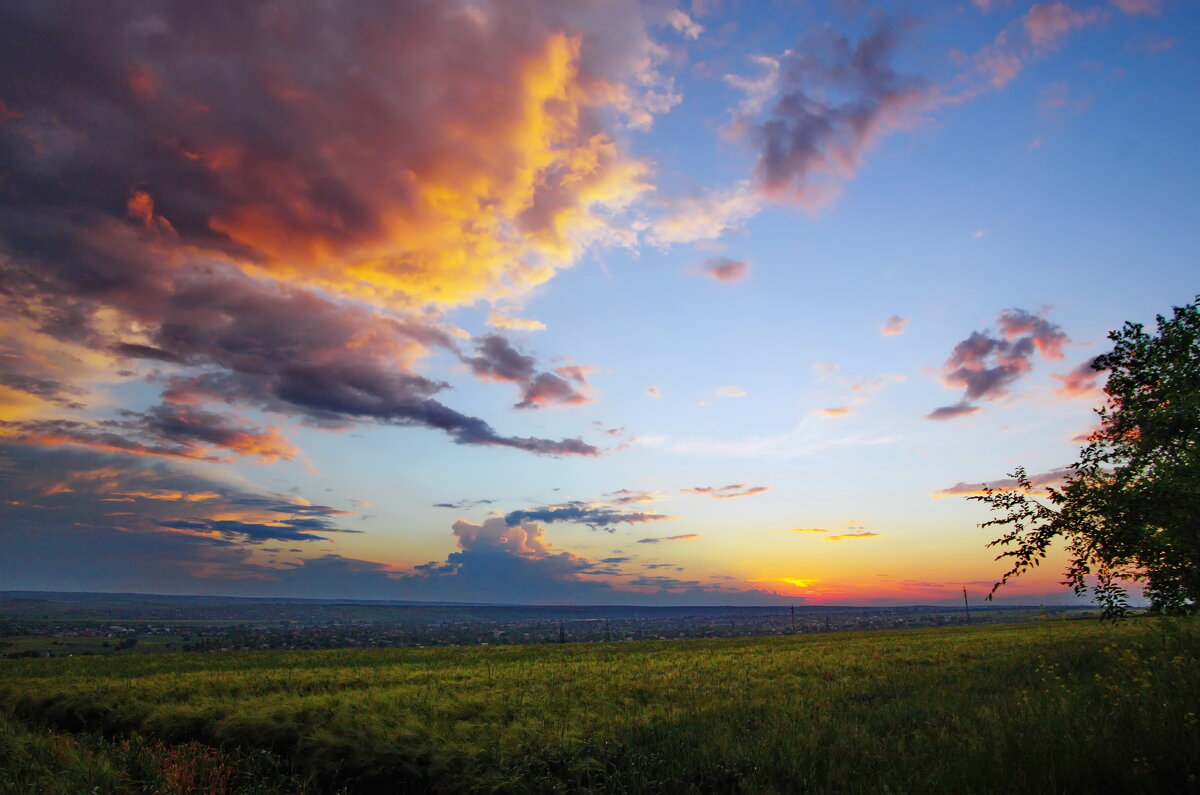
x=1040, y=482
x=726, y=492
x=684, y=537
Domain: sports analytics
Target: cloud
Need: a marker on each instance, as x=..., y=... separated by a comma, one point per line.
x=630, y=496
x=1040, y=482
x=153, y=538
x=951, y=412
x=986, y=364
x=835, y=411
x=726, y=492
x=848, y=536
x=594, y=516
x=729, y=392
x=206, y=207
x=499, y=320
x=1151, y=8
x=1038, y=32
x=167, y=430
x=893, y=326
x=257, y=532
x=724, y=269
x=95, y=488
x=685, y=25
x=653, y=392
x=684, y=537
x=463, y=504
x=1079, y=382
x=1046, y=23
x=834, y=101
x=809, y=530
x=705, y=216
x=496, y=359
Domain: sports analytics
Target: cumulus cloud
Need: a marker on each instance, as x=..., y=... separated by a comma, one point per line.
x=727, y=492
x=724, y=269
x=893, y=326
x=653, y=392
x=205, y=206
x=986, y=364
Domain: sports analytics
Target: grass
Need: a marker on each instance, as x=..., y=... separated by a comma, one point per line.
x=1065, y=706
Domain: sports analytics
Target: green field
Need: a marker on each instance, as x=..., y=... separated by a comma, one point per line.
x=1058, y=706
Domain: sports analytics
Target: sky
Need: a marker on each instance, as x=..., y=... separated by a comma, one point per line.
x=570, y=302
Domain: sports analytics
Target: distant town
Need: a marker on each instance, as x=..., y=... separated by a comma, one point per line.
x=37, y=624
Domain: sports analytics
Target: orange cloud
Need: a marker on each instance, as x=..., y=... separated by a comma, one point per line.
x=443, y=230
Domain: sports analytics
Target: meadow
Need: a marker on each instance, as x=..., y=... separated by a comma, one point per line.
x=1051, y=706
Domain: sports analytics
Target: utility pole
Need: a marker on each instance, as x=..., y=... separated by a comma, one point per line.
x=793, y=619
x=562, y=633
x=607, y=637
x=967, y=605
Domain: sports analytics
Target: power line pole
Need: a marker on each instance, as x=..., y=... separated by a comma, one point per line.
x=793, y=619
x=967, y=605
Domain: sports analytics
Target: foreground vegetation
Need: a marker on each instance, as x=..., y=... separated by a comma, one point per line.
x=1062, y=706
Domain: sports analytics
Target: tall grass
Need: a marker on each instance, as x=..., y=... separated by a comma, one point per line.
x=1067, y=706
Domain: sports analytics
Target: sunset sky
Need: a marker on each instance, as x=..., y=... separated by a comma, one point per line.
x=569, y=302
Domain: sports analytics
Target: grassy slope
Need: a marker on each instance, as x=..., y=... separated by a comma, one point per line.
x=1061, y=707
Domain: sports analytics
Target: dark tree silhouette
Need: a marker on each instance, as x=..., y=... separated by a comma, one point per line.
x=1129, y=512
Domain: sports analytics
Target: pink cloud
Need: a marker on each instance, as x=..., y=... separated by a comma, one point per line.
x=724, y=269
x=1046, y=24
x=1150, y=8
x=893, y=326
x=1079, y=382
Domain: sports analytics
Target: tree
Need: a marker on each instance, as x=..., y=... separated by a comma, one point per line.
x=1129, y=511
